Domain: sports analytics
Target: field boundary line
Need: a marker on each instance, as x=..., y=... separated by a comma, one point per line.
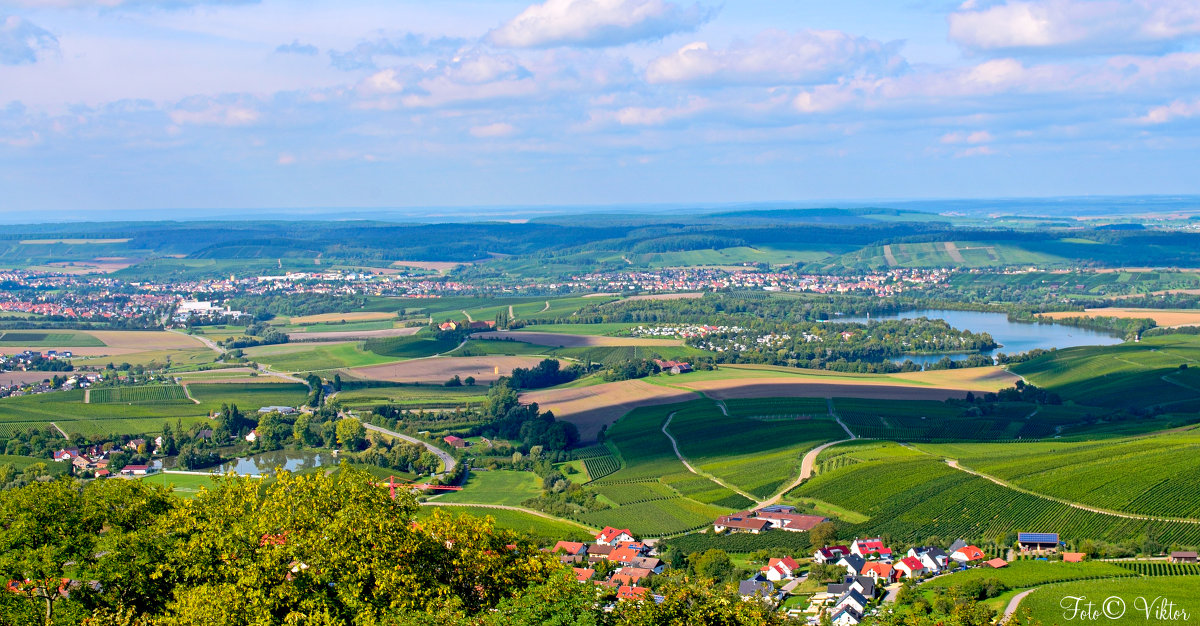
x=1076, y=505
x=87, y=395
x=515, y=508
x=1014, y=604
x=675, y=445
x=469, y=318
x=188, y=392
x=61, y=431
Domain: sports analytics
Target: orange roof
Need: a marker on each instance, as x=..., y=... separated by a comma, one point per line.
x=623, y=555
x=1073, y=557
x=570, y=547
x=997, y=563
x=971, y=552
x=625, y=592
x=582, y=574
x=879, y=570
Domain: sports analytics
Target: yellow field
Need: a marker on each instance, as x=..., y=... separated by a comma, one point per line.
x=1162, y=317
x=357, y=316
x=589, y=408
x=123, y=342
x=441, y=369
x=560, y=340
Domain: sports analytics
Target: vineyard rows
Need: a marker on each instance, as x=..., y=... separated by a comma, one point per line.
x=150, y=394
x=598, y=467
x=1163, y=569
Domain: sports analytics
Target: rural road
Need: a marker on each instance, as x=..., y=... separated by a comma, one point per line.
x=1083, y=507
x=447, y=460
x=1014, y=603
x=61, y=431
x=469, y=318
x=809, y=462
x=675, y=445
x=512, y=508
x=202, y=339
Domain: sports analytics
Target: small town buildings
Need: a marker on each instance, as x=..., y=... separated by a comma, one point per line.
x=853, y=563
x=909, y=566
x=611, y=536
x=877, y=569
x=966, y=554
x=583, y=574
x=756, y=586
x=282, y=410
x=573, y=548
x=846, y=616
x=1183, y=557
x=853, y=599
x=864, y=585
x=630, y=575
x=69, y=454
x=780, y=569
x=784, y=518
x=830, y=554
x=628, y=592
x=866, y=547
x=1038, y=543
x=599, y=552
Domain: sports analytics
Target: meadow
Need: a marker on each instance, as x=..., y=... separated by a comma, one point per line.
x=505, y=487
x=423, y=344
x=307, y=357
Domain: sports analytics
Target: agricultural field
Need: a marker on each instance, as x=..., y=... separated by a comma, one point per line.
x=932, y=421
x=440, y=369
x=411, y=396
x=1162, y=317
x=913, y=496
x=1123, y=375
x=48, y=339
x=182, y=485
x=756, y=456
x=651, y=504
x=1026, y=574
x=67, y=410
x=739, y=255
x=772, y=409
x=144, y=394
x=20, y=463
x=1046, y=604
x=1155, y=476
x=594, y=407
x=354, y=316
x=308, y=357
x=610, y=328
x=507, y=487
x=539, y=337
x=249, y=396
x=413, y=346
x=545, y=531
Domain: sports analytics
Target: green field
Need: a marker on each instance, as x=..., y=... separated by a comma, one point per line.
x=1158, y=475
x=1026, y=574
x=182, y=485
x=940, y=421
x=145, y=394
x=302, y=357
x=416, y=346
x=411, y=396
x=67, y=410
x=1124, y=375
x=485, y=347
x=913, y=495
x=1052, y=605
x=506, y=487
x=250, y=396
x=545, y=531
x=49, y=339
x=20, y=463
x=740, y=255
x=611, y=328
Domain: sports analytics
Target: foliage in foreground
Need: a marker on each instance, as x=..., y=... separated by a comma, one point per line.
x=302, y=549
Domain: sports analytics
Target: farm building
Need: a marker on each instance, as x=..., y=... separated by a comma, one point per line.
x=1038, y=543
x=611, y=536
x=675, y=367
x=789, y=521
x=1183, y=557
x=136, y=470
x=740, y=523
x=996, y=563
x=456, y=442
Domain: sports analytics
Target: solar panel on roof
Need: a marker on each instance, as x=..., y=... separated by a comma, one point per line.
x=1038, y=537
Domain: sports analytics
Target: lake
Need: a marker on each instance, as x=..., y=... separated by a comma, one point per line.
x=1013, y=337
x=266, y=462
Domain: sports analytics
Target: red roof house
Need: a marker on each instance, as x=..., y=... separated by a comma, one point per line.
x=967, y=554
x=997, y=563
x=611, y=535
x=626, y=592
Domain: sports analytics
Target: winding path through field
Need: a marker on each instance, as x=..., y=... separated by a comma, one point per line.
x=513, y=508
x=202, y=339
x=1014, y=603
x=447, y=460
x=469, y=318
x=675, y=445
x=1083, y=507
x=809, y=462
x=61, y=431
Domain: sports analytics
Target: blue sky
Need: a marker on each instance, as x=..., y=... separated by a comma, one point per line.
x=178, y=104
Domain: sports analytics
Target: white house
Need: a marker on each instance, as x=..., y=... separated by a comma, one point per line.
x=867, y=547
x=611, y=536
x=780, y=569
x=910, y=566
x=852, y=599
x=846, y=617
x=252, y=437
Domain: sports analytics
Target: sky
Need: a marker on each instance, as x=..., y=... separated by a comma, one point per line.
x=171, y=105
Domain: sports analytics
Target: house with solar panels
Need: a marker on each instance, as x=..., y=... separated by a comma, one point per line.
x=1038, y=543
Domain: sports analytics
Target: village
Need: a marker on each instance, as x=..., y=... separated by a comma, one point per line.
x=840, y=584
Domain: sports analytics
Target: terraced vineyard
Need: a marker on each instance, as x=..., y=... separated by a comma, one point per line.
x=598, y=467
x=757, y=456
x=1163, y=569
x=912, y=497
x=149, y=394
x=1154, y=476
x=1025, y=574
x=778, y=408
x=646, y=487
x=939, y=421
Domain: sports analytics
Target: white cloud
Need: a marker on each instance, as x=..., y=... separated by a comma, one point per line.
x=113, y=4
x=498, y=129
x=23, y=42
x=977, y=151
x=596, y=23
x=959, y=137
x=1087, y=26
x=778, y=57
x=1179, y=109
x=285, y=159
x=205, y=112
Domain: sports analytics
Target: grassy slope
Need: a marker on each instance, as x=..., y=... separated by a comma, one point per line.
x=497, y=487
x=1046, y=604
